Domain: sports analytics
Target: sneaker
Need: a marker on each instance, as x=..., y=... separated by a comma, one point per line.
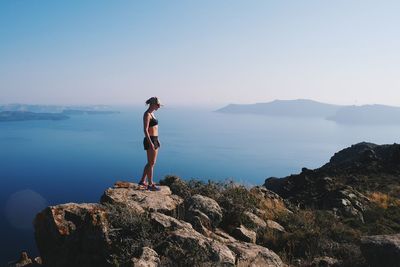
x=153, y=187
x=143, y=184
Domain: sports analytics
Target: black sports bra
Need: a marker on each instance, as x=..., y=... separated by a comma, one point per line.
x=153, y=122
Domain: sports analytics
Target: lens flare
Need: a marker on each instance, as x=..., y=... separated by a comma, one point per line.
x=21, y=208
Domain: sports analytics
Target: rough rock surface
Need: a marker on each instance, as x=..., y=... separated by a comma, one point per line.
x=275, y=226
x=244, y=234
x=248, y=254
x=80, y=234
x=341, y=184
x=325, y=262
x=203, y=212
x=24, y=260
x=72, y=235
x=149, y=258
x=166, y=222
x=140, y=200
x=195, y=248
x=381, y=250
x=271, y=202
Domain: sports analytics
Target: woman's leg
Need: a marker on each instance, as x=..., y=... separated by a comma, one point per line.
x=149, y=167
x=145, y=171
x=151, y=161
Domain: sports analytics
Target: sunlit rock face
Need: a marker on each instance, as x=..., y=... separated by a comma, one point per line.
x=148, y=229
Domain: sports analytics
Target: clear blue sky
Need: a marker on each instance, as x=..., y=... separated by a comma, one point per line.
x=199, y=52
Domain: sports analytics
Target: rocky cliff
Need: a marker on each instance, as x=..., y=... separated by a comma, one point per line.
x=358, y=191
x=347, y=183
x=135, y=227
x=346, y=213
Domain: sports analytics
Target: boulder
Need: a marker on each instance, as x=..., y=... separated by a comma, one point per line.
x=204, y=211
x=381, y=250
x=72, y=235
x=38, y=260
x=253, y=221
x=149, y=258
x=165, y=222
x=222, y=236
x=244, y=234
x=199, y=221
x=271, y=204
x=275, y=226
x=253, y=255
x=187, y=247
x=24, y=260
x=140, y=200
x=346, y=202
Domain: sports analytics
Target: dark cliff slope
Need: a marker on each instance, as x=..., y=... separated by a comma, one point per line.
x=364, y=167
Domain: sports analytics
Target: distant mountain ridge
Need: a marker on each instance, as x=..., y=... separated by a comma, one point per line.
x=27, y=116
x=365, y=114
x=23, y=112
x=297, y=108
x=51, y=108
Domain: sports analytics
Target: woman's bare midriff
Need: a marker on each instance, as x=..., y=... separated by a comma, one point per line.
x=153, y=131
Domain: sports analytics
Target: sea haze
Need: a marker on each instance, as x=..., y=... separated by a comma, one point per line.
x=75, y=160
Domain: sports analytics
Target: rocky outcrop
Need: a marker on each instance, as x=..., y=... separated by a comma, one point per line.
x=381, y=250
x=25, y=261
x=72, y=235
x=322, y=193
x=165, y=222
x=244, y=234
x=203, y=213
x=367, y=156
x=139, y=200
x=248, y=254
x=189, y=247
x=253, y=221
x=148, y=258
x=218, y=224
x=341, y=184
x=256, y=223
x=85, y=234
x=272, y=204
x=275, y=226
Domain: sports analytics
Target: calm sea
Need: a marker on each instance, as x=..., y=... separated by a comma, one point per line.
x=50, y=162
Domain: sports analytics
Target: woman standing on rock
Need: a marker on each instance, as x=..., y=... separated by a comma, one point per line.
x=150, y=142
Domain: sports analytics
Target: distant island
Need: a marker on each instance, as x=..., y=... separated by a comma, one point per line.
x=87, y=112
x=52, y=108
x=27, y=115
x=365, y=114
x=22, y=112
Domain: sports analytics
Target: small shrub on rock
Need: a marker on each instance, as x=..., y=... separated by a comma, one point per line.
x=235, y=200
x=314, y=233
x=209, y=189
x=177, y=186
x=129, y=232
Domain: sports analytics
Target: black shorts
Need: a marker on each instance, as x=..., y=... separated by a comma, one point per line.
x=154, y=140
